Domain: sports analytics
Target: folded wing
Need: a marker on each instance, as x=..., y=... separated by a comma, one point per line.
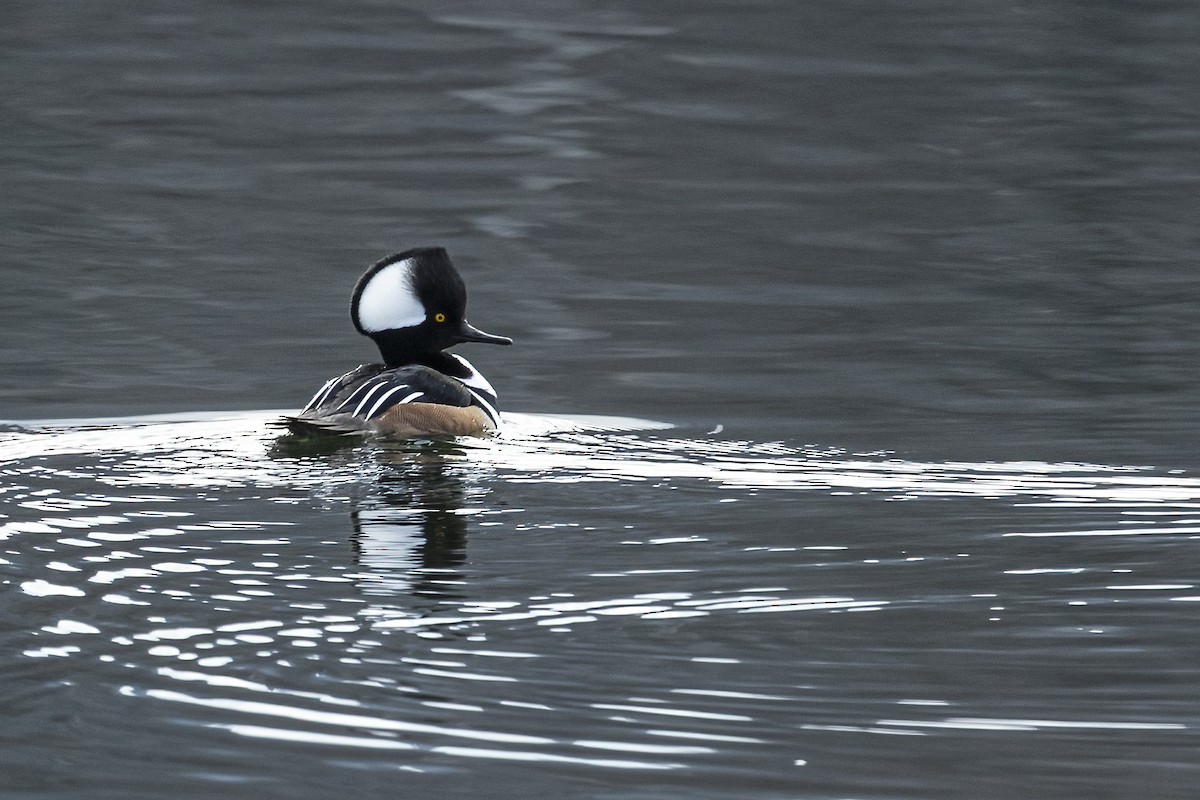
x=370, y=399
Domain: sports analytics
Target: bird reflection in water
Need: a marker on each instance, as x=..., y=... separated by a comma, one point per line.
x=410, y=532
x=409, y=523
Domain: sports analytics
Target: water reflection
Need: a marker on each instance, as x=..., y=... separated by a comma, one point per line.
x=410, y=535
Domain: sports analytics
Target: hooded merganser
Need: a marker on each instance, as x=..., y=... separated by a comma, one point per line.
x=413, y=305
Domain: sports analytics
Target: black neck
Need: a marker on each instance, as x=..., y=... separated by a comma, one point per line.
x=400, y=351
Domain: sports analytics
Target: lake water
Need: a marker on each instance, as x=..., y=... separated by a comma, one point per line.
x=850, y=424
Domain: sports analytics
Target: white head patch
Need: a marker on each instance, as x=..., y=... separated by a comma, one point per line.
x=387, y=300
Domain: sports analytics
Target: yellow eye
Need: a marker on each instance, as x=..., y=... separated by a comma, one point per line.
x=439, y=317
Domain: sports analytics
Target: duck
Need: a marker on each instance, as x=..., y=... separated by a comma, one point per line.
x=413, y=306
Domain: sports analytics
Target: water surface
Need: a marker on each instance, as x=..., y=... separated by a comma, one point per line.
x=586, y=607
x=914, y=285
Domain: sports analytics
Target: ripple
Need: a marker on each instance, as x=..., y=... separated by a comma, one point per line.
x=233, y=451
x=68, y=626
x=1023, y=725
x=337, y=718
x=43, y=588
x=310, y=737
x=494, y=599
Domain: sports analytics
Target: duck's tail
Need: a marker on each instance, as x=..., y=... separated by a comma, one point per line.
x=312, y=426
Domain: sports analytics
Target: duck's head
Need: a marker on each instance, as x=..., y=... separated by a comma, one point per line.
x=413, y=305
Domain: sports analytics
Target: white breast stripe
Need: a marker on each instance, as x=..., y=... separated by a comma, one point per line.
x=474, y=379
x=486, y=406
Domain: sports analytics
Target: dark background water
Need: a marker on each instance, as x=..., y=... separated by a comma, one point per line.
x=953, y=231
x=966, y=229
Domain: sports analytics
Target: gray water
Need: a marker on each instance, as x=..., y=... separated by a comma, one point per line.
x=849, y=445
